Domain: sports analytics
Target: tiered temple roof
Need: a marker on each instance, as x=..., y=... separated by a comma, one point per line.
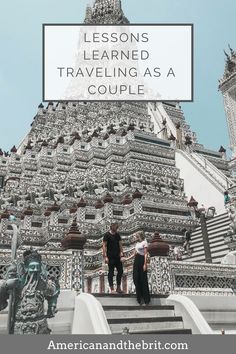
x=96, y=162
x=99, y=161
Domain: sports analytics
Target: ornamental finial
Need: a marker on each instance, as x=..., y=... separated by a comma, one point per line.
x=232, y=52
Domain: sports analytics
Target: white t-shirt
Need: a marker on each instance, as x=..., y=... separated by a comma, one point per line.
x=140, y=246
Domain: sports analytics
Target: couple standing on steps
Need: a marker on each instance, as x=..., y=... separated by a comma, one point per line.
x=114, y=257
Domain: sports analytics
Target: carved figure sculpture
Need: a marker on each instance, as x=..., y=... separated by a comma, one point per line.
x=27, y=286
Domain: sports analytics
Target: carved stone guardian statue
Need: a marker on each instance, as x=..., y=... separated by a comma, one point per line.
x=27, y=286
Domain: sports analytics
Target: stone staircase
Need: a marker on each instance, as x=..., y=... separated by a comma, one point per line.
x=121, y=311
x=157, y=318
x=217, y=229
x=216, y=174
x=211, y=174
x=218, y=311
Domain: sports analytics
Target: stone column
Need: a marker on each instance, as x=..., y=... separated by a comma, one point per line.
x=99, y=210
x=107, y=200
x=81, y=210
x=54, y=214
x=27, y=218
x=77, y=280
x=4, y=219
x=126, y=201
x=73, y=212
x=159, y=269
x=108, y=210
x=137, y=203
x=74, y=242
x=47, y=214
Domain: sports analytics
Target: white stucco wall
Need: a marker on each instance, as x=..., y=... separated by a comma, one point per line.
x=198, y=186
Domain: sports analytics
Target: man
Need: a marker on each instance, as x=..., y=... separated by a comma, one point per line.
x=112, y=253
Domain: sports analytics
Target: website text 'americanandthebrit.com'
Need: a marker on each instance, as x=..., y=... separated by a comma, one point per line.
x=120, y=345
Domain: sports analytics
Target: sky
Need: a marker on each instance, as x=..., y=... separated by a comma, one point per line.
x=21, y=57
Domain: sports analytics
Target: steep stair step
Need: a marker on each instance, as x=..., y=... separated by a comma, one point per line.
x=144, y=319
x=138, y=307
x=165, y=331
x=122, y=312
x=138, y=313
x=145, y=324
x=127, y=299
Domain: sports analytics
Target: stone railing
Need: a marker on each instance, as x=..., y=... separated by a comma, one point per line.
x=173, y=277
x=219, y=176
x=203, y=170
x=191, y=278
x=165, y=276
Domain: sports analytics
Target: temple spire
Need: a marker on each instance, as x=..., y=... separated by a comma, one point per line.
x=88, y=15
x=227, y=87
x=230, y=65
x=117, y=5
x=105, y=12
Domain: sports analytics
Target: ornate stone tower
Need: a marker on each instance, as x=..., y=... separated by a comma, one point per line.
x=93, y=163
x=96, y=163
x=105, y=12
x=227, y=86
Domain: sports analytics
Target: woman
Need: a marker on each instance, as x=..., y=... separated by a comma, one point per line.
x=140, y=269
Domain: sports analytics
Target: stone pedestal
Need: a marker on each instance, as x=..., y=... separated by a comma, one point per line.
x=159, y=269
x=74, y=242
x=159, y=276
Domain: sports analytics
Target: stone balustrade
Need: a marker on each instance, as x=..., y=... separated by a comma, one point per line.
x=165, y=276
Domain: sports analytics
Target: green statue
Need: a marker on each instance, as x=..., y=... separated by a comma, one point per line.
x=26, y=287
